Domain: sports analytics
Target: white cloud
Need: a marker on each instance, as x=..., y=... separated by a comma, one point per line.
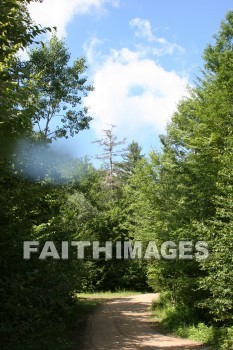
x=134, y=93
x=144, y=30
x=92, y=51
x=60, y=12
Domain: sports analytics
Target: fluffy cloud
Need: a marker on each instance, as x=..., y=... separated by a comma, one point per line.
x=144, y=30
x=60, y=12
x=134, y=93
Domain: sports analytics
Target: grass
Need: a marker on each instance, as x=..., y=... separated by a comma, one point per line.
x=105, y=295
x=181, y=322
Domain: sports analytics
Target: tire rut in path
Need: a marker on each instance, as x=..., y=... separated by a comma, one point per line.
x=124, y=324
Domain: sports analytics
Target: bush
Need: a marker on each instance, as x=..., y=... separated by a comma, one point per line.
x=183, y=322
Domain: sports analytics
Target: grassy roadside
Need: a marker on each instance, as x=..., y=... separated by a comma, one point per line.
x=180, y=322
x=105, y=295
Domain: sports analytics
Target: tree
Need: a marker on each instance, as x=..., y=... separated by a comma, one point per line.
x=130, y=158
x=58, y=89
x=38, y=293
x=110, y=153
x=218, y=282
x=17, y=29
x=219, y=230
x=187, y=192
x=17, y=32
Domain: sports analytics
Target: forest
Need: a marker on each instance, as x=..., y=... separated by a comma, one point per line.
x=183, y=193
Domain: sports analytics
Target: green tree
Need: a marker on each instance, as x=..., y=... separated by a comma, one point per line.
x=58, y=90
x=219, y=279
x=17, y=32
x=219, y=230
x=34, y=295
x=17, y=29
x=130, y=158
x=188, y=190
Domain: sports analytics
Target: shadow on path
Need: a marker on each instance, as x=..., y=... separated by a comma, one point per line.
x=124, y=324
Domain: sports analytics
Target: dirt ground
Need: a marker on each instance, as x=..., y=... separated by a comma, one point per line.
x=125, y=324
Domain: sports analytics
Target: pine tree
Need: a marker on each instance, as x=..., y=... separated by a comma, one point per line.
x=130, y=159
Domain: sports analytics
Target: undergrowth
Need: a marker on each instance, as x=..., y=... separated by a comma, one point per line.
x=63, y=331
x=180, y=321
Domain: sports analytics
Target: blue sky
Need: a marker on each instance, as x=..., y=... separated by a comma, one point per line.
x=141, y=55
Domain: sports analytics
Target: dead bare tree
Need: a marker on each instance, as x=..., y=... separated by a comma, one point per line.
x=110, y=153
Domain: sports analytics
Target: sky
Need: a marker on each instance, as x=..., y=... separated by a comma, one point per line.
x=141, y=56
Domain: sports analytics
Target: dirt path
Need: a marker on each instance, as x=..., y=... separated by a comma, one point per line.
x=124, y=324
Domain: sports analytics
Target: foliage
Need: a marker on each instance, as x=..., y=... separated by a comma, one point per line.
x=17, y=32
x=57, y=90
x=186, y=192
x=34, y=294
x=183, y=193
x=181, y=322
